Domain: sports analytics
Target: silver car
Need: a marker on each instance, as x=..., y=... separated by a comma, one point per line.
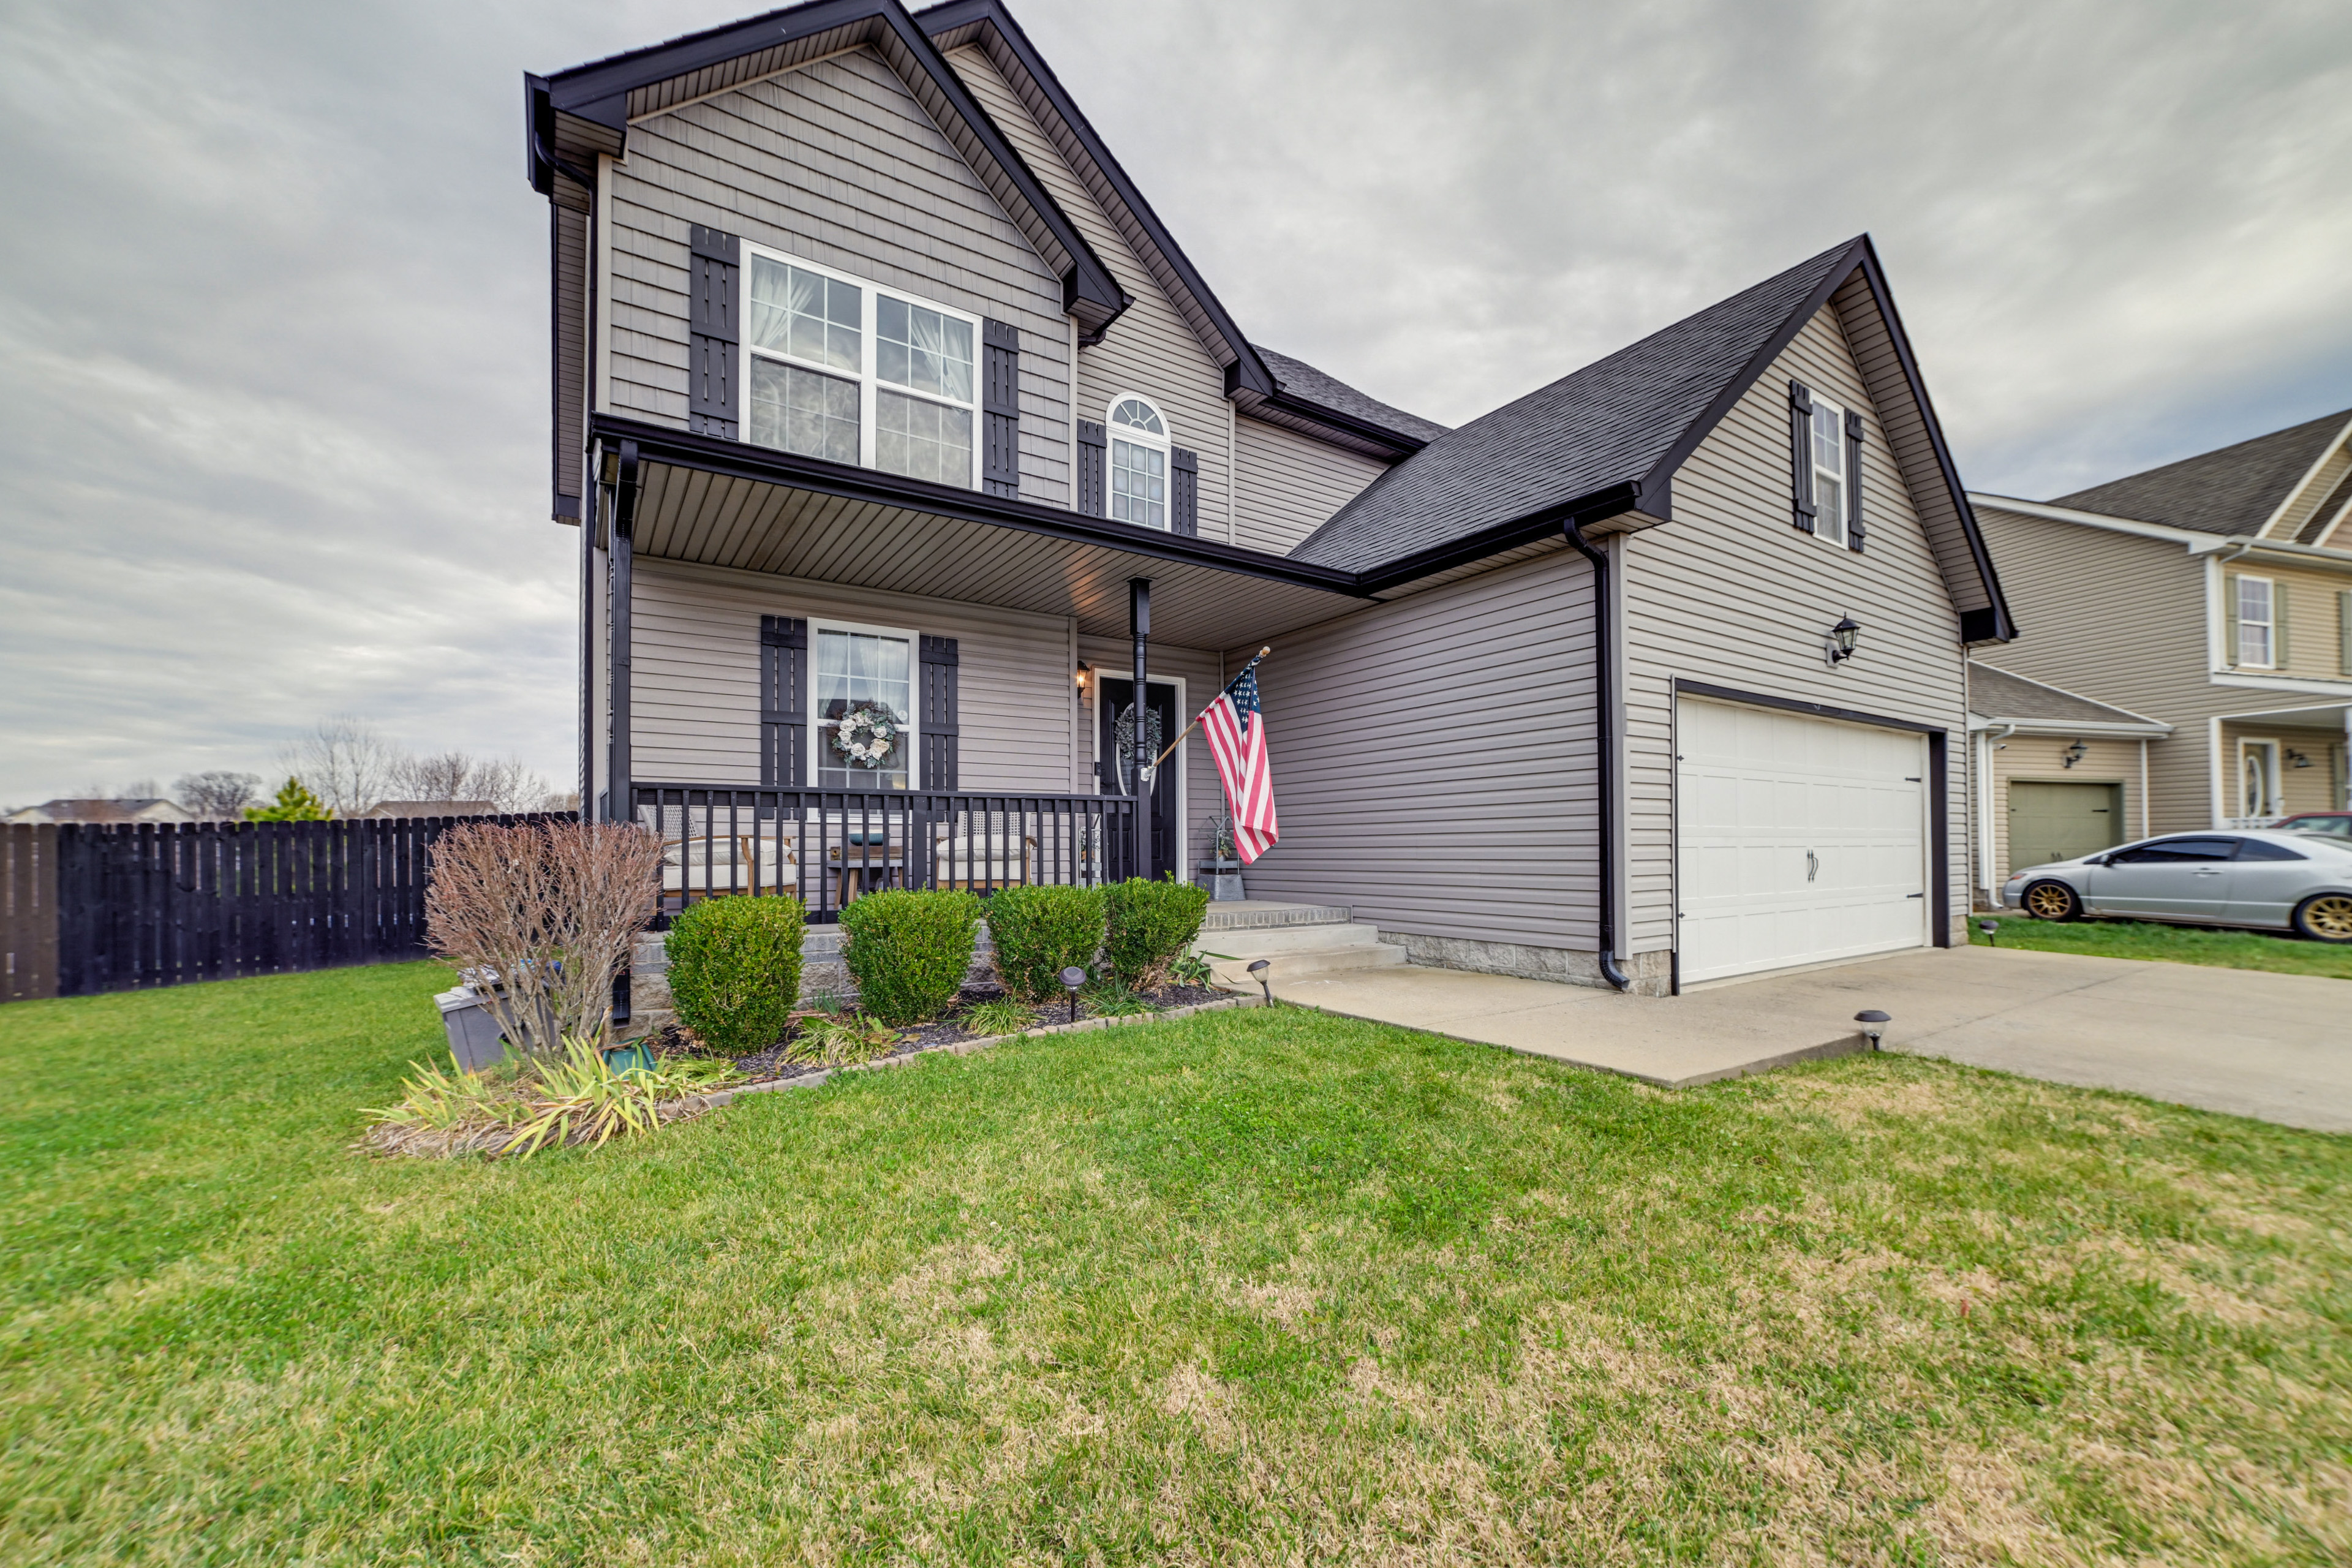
x=2300, y=882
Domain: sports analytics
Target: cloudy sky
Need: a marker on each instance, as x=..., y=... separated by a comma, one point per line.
x=273, y=314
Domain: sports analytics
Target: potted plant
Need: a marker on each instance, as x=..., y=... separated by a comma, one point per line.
x=1221, y=875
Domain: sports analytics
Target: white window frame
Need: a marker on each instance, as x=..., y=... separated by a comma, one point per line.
x=817, y=725
x=1164, y=444
x=869, y=384
x=2236, y=584
x=1828, y=529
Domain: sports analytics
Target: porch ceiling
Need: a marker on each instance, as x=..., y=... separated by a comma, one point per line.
x=712, y=502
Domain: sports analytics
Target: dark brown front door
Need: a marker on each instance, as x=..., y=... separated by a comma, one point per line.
x=1114, y=697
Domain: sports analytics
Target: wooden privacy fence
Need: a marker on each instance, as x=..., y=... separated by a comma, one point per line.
x=87, y=908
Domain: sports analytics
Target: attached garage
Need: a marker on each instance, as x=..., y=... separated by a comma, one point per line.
x=2059, y=821
x=1799, y=840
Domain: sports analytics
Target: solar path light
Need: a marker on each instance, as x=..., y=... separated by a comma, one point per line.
x=1991, y=930
x=1257, y=973
x=1072, y=978
x=1870, y=1022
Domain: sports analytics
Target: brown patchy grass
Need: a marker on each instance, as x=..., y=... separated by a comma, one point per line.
x=1259, y=1287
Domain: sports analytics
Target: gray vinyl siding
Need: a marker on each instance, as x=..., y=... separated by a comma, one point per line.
x=2042, y=759
x=1432, y=761
x=1290, y=484
x=834, y=161
x=1150, y=349
x=1730, y=594
x=695, y=700
x=2122, y=619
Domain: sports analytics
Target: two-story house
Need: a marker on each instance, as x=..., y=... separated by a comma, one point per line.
x=908, y=448
x=2210, y=600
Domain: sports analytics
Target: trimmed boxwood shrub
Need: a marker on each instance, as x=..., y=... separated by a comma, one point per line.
x=908, y=950
x=735, y=970
x=1041, y=931
x=1148, y=925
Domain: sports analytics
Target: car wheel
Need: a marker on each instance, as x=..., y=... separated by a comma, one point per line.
x=2049, y=900
x=2326, y=916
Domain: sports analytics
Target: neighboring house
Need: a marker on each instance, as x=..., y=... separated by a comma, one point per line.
x=2053, y=774
x=882, y=390
x=2214, y=594
x=431, y=808
x=139, y=809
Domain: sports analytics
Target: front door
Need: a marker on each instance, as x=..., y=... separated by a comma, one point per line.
x=1115, y=700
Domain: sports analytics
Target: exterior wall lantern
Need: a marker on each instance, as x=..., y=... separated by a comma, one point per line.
x=2295, y=759
x=1086, y=673
x=1838, y=645
x=2073, y=754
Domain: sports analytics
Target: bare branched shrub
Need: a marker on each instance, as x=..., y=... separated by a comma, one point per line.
x=550, y=909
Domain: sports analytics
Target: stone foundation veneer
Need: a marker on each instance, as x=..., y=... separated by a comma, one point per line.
x=1651, y=972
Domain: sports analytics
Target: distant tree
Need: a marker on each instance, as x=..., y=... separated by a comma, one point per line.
x=216, y=796
x=294, y=804
x=459, y=775
x=345, y=762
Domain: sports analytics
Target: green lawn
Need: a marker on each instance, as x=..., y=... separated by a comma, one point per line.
x=2170, y=944
x=1257, y=1286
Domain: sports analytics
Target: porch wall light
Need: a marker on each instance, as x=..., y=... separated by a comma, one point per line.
x=2073, y=754
x=1839, y=646
x=2295, y=759
x=1085, y=672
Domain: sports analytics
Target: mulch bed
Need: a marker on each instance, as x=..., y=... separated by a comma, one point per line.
x=769, y=1066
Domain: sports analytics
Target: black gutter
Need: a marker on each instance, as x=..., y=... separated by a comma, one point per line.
x=1592, y=507
x=733, y=459
x=1605, y=709
x=1395, y=443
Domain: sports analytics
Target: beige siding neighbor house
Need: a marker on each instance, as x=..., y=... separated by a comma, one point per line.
x=2211, y=596
x=926, y=490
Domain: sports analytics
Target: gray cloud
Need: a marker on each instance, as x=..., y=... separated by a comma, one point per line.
x=273, y=311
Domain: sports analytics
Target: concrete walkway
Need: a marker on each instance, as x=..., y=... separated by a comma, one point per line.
x=2277, y=1047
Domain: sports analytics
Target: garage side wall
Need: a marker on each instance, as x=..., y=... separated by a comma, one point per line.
x=1731, y=595
x=1433, y=768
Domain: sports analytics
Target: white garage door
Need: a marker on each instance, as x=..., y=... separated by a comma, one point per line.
x=1801, y=840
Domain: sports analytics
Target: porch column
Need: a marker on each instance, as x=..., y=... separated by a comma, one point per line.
x=617, y=804
x=1139, y=626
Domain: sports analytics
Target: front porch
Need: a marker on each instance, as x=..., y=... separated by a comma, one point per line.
x=2271, y=763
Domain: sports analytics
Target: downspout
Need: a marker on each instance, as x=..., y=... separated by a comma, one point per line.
x=1989, y=744
x=1605, y=748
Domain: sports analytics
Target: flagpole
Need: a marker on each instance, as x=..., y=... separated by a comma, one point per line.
x=1204, y=713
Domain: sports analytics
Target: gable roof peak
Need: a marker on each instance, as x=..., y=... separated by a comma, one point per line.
x=2235, y=489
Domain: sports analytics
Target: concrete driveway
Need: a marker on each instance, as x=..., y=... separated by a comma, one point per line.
x=2277, y=1047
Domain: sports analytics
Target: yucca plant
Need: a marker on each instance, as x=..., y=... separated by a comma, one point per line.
x=576, y=1099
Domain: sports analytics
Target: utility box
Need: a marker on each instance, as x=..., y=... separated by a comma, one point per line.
x=473, y=1029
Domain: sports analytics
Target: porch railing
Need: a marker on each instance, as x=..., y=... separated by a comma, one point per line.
x=829, y=847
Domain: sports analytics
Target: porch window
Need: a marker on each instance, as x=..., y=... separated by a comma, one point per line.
x=1829, y=471
x=2257, y=622
x=858, y=670
x=903, y=397
x=1138, y=463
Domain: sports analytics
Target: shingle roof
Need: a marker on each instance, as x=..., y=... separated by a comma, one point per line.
x=2233, y=490
x=1996, y=694
x=1605, y=424
x=1300, y=379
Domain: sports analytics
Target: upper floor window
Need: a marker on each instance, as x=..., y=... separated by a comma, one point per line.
x=2257, y=608
x=1830, y=478
x=902, y=397
x=1138, y=463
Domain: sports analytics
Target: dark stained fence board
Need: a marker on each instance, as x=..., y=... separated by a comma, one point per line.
x=122, y=908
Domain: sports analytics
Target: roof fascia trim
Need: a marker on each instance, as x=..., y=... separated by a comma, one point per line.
x=2096, y=729
x=734, y=459
x=1245, y=370
x=1593, y=507
x=600, y=92
x=2189, y=537
x=1398, y=444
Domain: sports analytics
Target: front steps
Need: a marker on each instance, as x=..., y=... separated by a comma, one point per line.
x=1295, y=939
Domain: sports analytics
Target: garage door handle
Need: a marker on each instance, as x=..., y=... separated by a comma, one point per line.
x=1812, y=866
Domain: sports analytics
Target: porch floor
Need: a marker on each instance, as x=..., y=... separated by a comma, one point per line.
x=2261, y=1045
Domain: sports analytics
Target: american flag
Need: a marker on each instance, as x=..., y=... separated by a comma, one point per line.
x=1235, y=728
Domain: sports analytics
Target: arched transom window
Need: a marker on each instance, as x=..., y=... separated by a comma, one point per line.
x=1138, y=463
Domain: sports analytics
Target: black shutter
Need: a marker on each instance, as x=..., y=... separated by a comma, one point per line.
x=938, y=722
x=1000, y=408
x=1800, y=451
x=783, y=702
x=1093, y=449
x=716, y=280
x=1854, y=481
x=1184, y=491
